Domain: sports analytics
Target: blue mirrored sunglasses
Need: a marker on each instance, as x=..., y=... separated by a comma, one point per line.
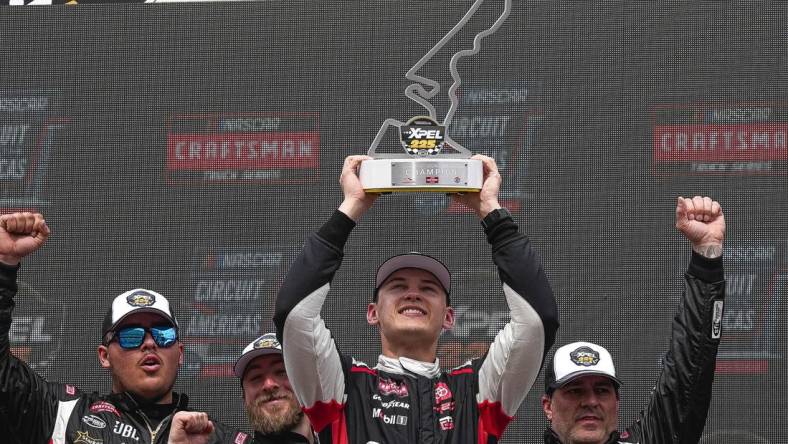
x=133, y=337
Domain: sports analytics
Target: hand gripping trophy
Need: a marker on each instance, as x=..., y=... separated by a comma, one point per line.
x=423, y=167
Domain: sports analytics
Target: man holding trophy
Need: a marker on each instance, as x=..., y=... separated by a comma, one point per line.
x=406, y=396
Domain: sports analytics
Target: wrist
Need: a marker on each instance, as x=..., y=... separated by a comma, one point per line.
x=708, y=250
x=707, y=269
x=487, y=207
x=353, y=208
x=494, y=217
x=9, y=260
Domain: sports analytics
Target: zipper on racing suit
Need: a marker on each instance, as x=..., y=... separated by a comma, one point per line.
x=154, y=432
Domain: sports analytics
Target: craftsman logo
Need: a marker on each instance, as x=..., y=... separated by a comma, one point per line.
x=584, y=356
x=422, y=136
x=259, y=147
x=388, y=387
x=104, y=406
x=716, y=320
x=240, y=438
x=721, y=139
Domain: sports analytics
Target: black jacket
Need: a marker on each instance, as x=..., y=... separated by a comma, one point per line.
x=676, y=411
x=281, y=438
x=403, y=400
x=37, y=411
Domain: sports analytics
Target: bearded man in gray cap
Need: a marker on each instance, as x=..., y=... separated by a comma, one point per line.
x=581, y=397
x=269, y=400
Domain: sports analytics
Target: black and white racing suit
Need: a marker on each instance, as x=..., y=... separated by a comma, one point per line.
x=402, y=400
x=677, y=408
x=38, y=412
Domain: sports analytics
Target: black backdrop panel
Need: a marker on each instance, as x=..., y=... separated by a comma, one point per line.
x=190, y=148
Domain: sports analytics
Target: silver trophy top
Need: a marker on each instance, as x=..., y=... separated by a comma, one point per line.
x=418, y=93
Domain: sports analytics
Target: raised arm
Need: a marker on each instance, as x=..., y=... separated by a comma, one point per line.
x=28, y=399
x=515, y=357
x=679, y=403
x=20, y=235
x=312, y=361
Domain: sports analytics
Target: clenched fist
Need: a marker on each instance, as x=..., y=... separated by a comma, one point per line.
x=20, y=235
x=701, y=221
x=190, y=428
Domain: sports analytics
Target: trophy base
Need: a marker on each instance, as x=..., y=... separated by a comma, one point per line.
x=437, y=175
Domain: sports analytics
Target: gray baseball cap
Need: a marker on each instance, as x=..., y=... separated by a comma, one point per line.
x=266, y=344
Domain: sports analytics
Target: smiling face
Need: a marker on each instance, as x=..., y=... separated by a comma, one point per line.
x=411, y=311
x=268, y=397
x=148, y=371
x=584, y=410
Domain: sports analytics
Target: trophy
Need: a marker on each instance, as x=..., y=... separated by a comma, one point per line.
x=431, y=161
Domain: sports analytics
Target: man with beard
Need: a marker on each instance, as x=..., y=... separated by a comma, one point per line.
x=269, y=401
x=581, y=387
x=139, y=347
x=407, y=397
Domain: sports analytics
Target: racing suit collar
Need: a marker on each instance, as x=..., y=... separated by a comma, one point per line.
x=284, y=437
x=129, y=403
x=406, y=365
x=551, y=438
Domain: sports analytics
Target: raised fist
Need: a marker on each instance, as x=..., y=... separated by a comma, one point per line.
x=190, y=428
x=701, y=221
x=20, y=235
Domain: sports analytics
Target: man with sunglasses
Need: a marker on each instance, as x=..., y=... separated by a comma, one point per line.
x=139, y=347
